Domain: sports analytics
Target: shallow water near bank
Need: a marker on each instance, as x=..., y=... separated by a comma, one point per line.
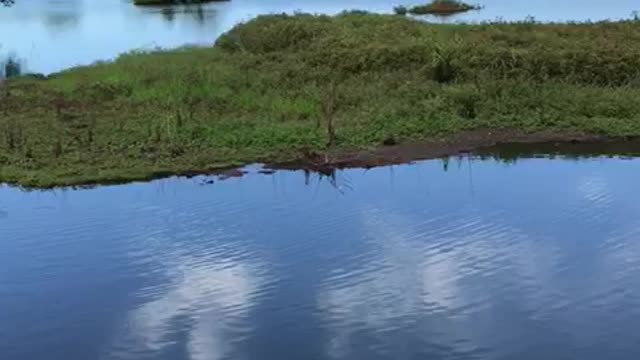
x=51, y=35
x=525, y=258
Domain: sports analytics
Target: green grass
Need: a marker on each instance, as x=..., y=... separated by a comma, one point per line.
x=279, y=86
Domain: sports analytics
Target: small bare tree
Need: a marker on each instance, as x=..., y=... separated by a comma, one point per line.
x=329, y=110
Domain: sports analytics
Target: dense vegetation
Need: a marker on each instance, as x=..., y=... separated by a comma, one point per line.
x=280, y=86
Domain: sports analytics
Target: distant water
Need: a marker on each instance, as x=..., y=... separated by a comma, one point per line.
x=51, y=35
x=533, y=259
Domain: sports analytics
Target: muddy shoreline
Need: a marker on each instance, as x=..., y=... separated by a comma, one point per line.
x=509, y=143
x=481, y=143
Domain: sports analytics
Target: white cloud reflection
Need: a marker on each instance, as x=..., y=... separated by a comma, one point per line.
x=205, y=302
x=445, y=276
x=594, y=189
x=475, y=279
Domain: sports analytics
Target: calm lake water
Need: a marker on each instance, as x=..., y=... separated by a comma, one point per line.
x=537, y=259
x=51, y=35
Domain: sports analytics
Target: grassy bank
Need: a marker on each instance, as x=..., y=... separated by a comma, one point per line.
x=281, y=86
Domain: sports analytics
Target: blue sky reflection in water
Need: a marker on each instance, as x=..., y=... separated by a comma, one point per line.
x=533, y=260
x=51, y=35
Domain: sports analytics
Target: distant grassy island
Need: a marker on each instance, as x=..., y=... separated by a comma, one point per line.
x=319, y=88
x=437, y=7
x=169, y=2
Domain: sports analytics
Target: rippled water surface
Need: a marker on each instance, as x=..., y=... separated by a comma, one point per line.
x=49, y=35
x=537, y=259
